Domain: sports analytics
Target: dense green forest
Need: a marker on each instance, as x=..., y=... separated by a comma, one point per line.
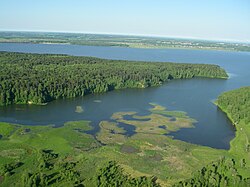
x=112, y=175
x=221, y=173
x=237, y=103
x=38, y=79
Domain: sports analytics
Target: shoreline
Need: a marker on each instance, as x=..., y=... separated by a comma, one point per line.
x=131, y=47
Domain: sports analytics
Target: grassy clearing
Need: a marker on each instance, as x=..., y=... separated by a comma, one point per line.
x=6, y=129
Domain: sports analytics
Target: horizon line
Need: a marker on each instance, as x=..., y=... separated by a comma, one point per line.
x=131, y=34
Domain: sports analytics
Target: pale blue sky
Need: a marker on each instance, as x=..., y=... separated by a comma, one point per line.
x=208, y=19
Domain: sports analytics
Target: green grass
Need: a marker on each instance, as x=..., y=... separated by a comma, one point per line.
x=6, y=129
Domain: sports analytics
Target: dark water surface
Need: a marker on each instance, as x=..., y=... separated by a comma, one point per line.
x=193, y=96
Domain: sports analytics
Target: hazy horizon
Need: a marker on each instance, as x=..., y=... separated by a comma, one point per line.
x=132, y=35
x=224, y=20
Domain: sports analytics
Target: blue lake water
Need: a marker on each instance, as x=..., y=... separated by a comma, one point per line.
x=193, y=96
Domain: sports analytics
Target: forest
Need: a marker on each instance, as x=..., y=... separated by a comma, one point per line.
x=222, y=172
x=237, y=103
x=41, y=78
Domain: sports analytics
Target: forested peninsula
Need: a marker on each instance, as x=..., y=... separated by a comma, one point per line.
x=236, y=104
x=41, y=78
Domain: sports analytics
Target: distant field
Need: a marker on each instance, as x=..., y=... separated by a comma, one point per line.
x=120, y=41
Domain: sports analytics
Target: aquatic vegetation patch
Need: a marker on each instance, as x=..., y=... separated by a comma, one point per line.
x=110, y=133
x=160, y=121
x=79, y=109
x=97, y=101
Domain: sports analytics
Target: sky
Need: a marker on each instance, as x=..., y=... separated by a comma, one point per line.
x=202, y=19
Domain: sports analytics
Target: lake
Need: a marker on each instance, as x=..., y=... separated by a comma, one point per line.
x=193, y=96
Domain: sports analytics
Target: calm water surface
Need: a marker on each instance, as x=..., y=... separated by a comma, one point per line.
x=193, y=96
